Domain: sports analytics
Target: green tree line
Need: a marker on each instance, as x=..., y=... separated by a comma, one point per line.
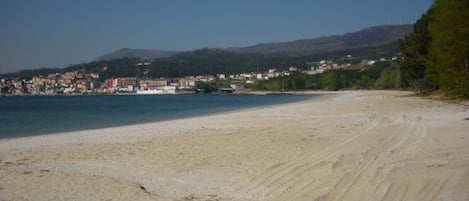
x=436, y=53
x=382, y=75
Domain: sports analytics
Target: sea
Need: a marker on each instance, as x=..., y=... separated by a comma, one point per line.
x=38, y=115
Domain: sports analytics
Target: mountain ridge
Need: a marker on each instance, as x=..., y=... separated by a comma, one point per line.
x=371, y=36
x=145, y=54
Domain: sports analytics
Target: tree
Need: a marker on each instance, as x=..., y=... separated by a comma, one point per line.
x=298, y=81
x=387, y=80
x=365, y=82
x=449, y=29
x=207, y=87
x=330, y=81
x=414, y=48
x=342, y=81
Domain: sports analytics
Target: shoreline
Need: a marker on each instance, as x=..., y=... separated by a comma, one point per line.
x=242, y=92
x=197, y=114
x=348, y=145
x=78, y=135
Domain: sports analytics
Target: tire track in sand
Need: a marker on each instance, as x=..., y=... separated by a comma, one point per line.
x=277, y=179
x=292, y=178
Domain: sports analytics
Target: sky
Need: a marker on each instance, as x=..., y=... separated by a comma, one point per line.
x=59, y=33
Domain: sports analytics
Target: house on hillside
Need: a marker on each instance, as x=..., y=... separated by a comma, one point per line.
x=188, y=82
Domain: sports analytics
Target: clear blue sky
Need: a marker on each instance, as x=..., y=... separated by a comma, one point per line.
x=56, y=33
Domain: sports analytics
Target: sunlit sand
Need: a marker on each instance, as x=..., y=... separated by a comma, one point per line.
x=360, y=145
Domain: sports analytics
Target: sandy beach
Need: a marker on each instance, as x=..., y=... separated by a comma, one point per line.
x=352, y=145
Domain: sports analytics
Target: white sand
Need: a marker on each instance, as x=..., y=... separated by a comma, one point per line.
x=379, y=145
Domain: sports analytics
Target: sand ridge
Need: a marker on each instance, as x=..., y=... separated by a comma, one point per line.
x=353, y=145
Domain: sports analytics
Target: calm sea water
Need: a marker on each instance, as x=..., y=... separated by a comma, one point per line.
x=28, y=116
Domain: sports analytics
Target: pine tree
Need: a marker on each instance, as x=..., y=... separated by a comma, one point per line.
x=414, y=48
x=449, y=48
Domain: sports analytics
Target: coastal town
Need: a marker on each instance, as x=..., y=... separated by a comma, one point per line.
x=82, y=82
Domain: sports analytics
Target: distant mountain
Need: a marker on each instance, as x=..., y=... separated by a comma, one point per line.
x=139, y=53
x=372, y=36
x=215, y=61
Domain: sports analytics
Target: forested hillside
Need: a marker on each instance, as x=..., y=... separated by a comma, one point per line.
x=137, y=53
x=213, y=61
x=372, y=36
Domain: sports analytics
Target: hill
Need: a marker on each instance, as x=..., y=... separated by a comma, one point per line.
x=214, y=61
x=370, y=43
x=143, y=54
x=372, y=36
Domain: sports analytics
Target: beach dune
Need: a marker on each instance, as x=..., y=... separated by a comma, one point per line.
x=352, y=145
